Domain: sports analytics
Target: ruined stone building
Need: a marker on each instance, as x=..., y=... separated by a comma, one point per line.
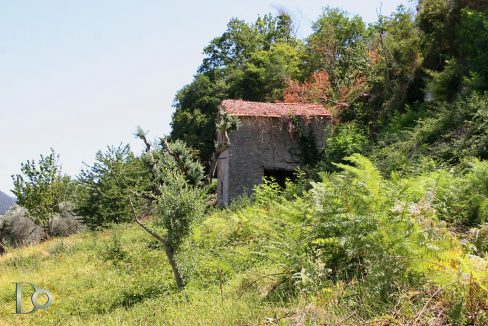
x=265, y=144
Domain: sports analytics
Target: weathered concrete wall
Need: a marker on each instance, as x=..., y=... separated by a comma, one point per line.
x=261, y=143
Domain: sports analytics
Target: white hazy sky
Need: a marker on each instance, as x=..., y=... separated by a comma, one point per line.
x=79, y=75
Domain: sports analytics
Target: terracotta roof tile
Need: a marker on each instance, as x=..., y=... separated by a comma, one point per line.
x=261, y=109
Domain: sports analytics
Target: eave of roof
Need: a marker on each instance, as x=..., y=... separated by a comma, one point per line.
x=275, y=110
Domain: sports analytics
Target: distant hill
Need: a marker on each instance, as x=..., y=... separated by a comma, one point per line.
x=5, y=202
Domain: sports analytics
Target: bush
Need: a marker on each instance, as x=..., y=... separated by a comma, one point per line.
x=459, y=197
x=267, y=192
x=64, y=226
x=472, y=195
x=66, y=223
x=41, y=189
x=105, y=187
x=18, y=230
x=347, y=139
x=114, y=252
x=364, y=230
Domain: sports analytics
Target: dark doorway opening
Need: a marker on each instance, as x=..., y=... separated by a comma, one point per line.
x=280, y=175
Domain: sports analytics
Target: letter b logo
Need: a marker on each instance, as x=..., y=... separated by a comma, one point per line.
x=37, y=292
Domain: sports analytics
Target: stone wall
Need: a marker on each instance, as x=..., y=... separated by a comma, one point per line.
x=261, y=143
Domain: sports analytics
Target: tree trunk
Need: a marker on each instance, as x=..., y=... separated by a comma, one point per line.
x=170, y=254
x=174, y=266
x=2, y=248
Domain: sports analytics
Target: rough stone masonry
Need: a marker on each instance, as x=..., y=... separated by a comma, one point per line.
x=265, y=143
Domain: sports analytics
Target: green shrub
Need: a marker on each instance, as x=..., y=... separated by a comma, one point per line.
x=65, y=226
x=267, y=192
x=346, y=140
x=114, y=252
x=458, y=197
x=66, y=223
x=448, y=134
x=104, y=188
x=363, y=232
x=42, y=189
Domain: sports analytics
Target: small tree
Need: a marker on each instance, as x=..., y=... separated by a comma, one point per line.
x=41, y=188
x=178, y=206
x=178, y=196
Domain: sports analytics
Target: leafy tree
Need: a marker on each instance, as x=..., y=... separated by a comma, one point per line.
x=41, y=189
x=105, y=187
x=454, y=36
x=398, y=58
x=248, y=61
x=434, y=19
x=236, y=45
x=194, y=119
x=178, y=206
x=265, y=75
x=315, y=90
x=473, y=38
x=338, y=46
x=441, y=23
x=394, y=76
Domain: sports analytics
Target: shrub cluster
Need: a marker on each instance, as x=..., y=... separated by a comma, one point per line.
x=18, y=229
x=356, y=238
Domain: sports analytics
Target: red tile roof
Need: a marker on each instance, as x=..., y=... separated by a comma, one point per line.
x=261, y=109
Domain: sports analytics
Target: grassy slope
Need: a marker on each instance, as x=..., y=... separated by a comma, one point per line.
x=89, y=291
x=139, y=290
x=95, y=282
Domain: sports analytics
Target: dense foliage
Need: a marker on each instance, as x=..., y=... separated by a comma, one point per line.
x=408, y=91
x=355, y=246
x=105, y=187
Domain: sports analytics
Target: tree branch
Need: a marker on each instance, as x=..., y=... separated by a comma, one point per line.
x=176, y=157
x=142, y=135
x=145, y=228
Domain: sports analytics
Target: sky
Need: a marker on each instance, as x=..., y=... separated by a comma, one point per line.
x=79, y=75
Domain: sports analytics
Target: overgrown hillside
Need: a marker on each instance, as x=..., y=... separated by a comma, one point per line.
x=386, y=225
x=353, y=248
x=115, y=278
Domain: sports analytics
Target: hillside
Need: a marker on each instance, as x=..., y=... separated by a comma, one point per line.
x=5, y=202
x=252, y=264
x=386, y=224
x=93, y=285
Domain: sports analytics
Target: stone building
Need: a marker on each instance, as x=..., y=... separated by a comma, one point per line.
x=266, y=143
